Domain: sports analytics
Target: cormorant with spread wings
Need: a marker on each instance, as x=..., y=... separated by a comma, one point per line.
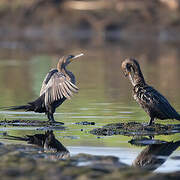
x=58, y=85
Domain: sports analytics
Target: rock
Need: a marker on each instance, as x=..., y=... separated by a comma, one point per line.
x=134, y=128
x=25, y=162
x=21, y=122
x=85, y=123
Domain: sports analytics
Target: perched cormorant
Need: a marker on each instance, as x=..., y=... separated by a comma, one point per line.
x=58, y=85
x=154, y=103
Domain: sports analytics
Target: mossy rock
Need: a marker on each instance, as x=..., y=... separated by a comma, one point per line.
x=135, y=129
x=144, y=141
x=21, y=122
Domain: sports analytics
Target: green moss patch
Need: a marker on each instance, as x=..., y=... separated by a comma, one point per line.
x=21, y=122
x=134, y=128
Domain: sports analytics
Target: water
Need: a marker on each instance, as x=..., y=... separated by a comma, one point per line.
x=104, y=96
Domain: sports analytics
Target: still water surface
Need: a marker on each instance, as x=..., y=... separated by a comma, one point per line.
x=104, y=96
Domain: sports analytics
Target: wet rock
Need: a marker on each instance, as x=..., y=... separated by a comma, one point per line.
x=27, y=162
x=21, y=122
x=85, y=123
x=134, y=128
x=144, y=141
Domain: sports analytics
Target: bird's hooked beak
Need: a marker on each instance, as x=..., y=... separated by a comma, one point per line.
x=79, y=55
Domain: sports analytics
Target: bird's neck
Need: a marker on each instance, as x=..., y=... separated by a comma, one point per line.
x=137, y=78
x=64, y=70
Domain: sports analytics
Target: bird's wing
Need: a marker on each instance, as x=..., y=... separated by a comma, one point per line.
x=46, y=80
x=58, y=87
x=157, y=101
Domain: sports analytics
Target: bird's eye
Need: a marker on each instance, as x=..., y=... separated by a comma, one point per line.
x=70, y=56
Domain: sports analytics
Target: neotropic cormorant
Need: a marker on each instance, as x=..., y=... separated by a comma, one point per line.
x=58, y=85
x=154, y=103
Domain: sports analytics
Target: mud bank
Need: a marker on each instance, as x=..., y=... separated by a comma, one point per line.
x=51, y=25
x=36, y=164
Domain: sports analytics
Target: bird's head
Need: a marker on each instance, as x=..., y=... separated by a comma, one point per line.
x=65, y=60
x=132, y=69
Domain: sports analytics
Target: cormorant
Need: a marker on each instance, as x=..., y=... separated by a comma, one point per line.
x=154, y=103
x=58, y=85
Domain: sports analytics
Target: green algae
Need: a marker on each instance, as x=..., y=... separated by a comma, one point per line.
x=134, y=128
x=22, y=122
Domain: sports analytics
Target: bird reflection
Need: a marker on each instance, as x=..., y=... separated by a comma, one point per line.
x=47, y=141
x=154, y=155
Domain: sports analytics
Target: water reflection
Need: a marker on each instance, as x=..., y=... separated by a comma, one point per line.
x=46, y=141
x=150, y=158
x=154, y=155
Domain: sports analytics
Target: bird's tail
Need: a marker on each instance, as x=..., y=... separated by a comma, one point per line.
x=36, y=106
x=27, y=107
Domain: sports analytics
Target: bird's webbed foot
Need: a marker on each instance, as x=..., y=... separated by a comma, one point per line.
x=52, y=120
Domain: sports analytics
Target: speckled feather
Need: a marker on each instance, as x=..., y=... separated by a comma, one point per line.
x=154, y=103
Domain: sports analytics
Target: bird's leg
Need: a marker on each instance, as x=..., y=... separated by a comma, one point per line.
x=151, y=121
x=50, y=117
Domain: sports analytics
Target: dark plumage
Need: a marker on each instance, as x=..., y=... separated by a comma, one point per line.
x=154, y=103
x=58, y=85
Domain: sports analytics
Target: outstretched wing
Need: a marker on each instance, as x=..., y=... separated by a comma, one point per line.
x=46, y=80
x=56, y=86
x=157, y=102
